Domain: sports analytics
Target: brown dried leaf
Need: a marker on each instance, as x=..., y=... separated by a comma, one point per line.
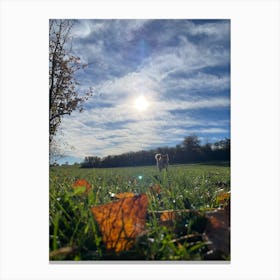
x=120, y=222
x=124, y=195
x=168, y=216
x=218, y=229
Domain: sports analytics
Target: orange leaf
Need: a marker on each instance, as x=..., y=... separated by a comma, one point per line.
x=167, y=216
x=124, y=195
x=82, y=183
x=120, y=222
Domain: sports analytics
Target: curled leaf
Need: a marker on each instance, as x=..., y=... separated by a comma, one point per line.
x=120, y=222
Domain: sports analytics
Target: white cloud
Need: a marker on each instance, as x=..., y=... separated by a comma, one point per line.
x=132, y=84
x=217, y=30
x=199, y=82
x=200, y=104
x=86, y=28
x=125, y=29
x=186, y=56
x=89, y=40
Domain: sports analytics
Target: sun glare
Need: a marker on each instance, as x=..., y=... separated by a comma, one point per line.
x=141, y=103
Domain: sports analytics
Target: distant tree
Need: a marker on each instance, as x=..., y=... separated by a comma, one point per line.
x=63, y=93
x=223, y=144
x=91, y=162
x=207, y=151
x=191, y=149
x=222, y=149
x=191, y=143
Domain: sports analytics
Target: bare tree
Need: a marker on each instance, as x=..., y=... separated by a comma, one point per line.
x=64, y=96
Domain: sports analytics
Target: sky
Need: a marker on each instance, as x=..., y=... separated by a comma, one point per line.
x=180, y=68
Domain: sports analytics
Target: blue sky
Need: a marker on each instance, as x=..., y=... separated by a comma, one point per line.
x=181, y=67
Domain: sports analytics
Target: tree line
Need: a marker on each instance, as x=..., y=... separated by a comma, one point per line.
x=189, y=151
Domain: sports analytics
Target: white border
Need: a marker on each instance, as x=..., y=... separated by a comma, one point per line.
x=254, y=134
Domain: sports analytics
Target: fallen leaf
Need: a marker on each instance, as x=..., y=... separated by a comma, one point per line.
x=167, y=219
x=124, y=195
x=82, y=183
x=218, y=229
x=120, y=222
x=168, y=216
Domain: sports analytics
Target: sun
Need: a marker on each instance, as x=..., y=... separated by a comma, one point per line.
x=141, y=103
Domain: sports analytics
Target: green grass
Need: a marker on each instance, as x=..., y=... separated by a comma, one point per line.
x=73, y=228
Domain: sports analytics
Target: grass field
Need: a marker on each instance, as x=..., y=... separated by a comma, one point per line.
x=189, y=192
